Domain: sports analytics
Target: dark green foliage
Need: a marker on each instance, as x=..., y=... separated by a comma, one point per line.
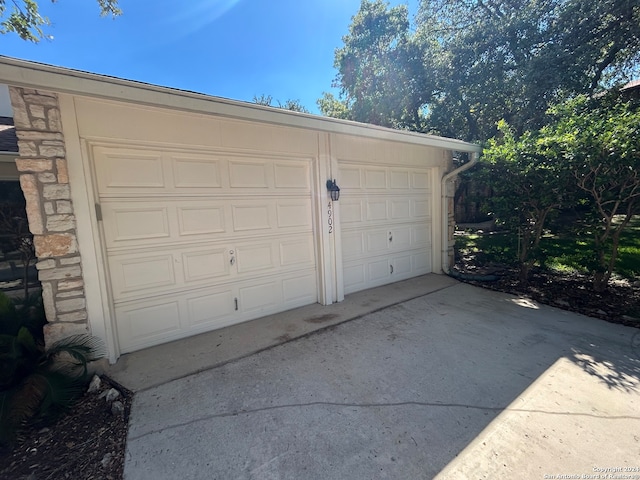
x=587, y=158
x=25, y=20
x=16, y=313
x=462, y=65
x=37, y=383
x=598, y=140
x=528, y=187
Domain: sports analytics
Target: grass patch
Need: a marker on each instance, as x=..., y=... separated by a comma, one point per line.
x=563, y=252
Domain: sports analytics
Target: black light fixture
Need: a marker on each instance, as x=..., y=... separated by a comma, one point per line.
x=333, y=189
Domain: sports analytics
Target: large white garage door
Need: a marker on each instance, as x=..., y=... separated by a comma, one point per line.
x=199, y=241
x=385, y=220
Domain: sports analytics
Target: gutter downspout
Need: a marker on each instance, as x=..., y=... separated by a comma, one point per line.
x=445, y=210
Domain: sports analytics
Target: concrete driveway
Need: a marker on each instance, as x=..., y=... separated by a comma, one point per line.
x=459, y=383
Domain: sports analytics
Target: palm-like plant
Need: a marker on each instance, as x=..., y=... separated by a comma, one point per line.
x=37, y=383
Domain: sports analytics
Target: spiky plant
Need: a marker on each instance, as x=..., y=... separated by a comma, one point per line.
x=36, y=383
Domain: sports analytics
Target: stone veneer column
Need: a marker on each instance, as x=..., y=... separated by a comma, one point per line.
x=45, y=183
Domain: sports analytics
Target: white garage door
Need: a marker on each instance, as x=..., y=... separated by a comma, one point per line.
x=196, y=242
x=385, y=220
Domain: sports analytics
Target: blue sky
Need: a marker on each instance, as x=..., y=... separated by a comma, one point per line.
x=229, y=48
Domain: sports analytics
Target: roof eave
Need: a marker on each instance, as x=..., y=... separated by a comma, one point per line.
x=22, y=73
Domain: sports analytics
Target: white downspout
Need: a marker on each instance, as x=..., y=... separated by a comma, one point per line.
x=445, y=211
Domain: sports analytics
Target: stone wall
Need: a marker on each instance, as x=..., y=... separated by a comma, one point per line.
x=45, y=182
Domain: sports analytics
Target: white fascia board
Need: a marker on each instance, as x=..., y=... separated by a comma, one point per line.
x=22, y=73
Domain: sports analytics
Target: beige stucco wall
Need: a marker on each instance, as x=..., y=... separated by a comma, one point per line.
x=101, y=119
x=371, y=150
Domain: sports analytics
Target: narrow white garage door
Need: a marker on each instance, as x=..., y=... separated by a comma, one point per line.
x=385, y=220
x=199, y=241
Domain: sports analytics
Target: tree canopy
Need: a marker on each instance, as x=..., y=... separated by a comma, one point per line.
x=290, y=104
x=463, y=65
x=24, y=18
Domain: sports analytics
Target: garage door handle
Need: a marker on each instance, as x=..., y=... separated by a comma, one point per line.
x=391, y=269
x=232, y=260
x=390, y=237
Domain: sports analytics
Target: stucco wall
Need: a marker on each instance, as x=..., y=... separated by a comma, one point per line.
x=45, y=182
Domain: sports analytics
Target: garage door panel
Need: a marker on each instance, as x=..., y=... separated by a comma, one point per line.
x=260, y=298
x=352, y=245
x=143, y=222
x=401, y=237
x=375, y=178
x=421, y=208
x=299, y=290
x=210, y=308
x=292, y=176
x=294, y=213
x=420, y=235
x=421, y=180
x=297, y=252
x=377, y=241
x=350, y=178
x=245, y=174
x=354, y=277
x=251, y=216
x=201, y=220
x=122, y=170
x=197, y=172
x=142, y=325
x=255, y=257
x=400, y=209
x=376, y=210
x=378, y=270
x=421, y=263
x=205, y=265
x=133, y=274
x=351, y=211
x=402, y=266
x=400, y=179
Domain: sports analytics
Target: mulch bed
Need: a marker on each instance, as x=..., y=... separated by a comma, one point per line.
x=569, y=291
x=86, y=443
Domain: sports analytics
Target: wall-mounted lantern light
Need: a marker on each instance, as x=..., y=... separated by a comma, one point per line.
x=333, y=189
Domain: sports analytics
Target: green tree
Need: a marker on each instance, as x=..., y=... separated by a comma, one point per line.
x=513, y=59
x=330, y=106
x=25, y=20
x=598, y=139
x=528, y=186
x=466, y=64
x=293, y=105
x=381, y=71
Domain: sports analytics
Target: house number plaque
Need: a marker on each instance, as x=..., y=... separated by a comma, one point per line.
x=330, y=220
